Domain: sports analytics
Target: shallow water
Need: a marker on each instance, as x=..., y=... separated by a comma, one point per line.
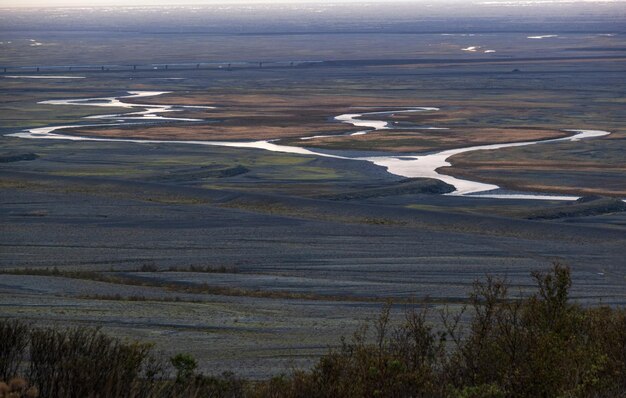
x=374, y=125
x=542, y=37
x=410, y=166
x=428, y=165
x=43, y=77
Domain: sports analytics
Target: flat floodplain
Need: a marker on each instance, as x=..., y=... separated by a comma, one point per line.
x=259, y=260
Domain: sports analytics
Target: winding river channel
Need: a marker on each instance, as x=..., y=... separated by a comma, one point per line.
x=410, y=166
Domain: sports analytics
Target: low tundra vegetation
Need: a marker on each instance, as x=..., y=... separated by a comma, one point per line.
x=499, y=345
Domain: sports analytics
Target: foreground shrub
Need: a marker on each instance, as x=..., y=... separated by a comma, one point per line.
x=13, y=342
x=17, y=388
x=538, y=346
x=185, y=366
x=226, y=385
x=403, y=360
x=541, y=346
x=84, y=362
